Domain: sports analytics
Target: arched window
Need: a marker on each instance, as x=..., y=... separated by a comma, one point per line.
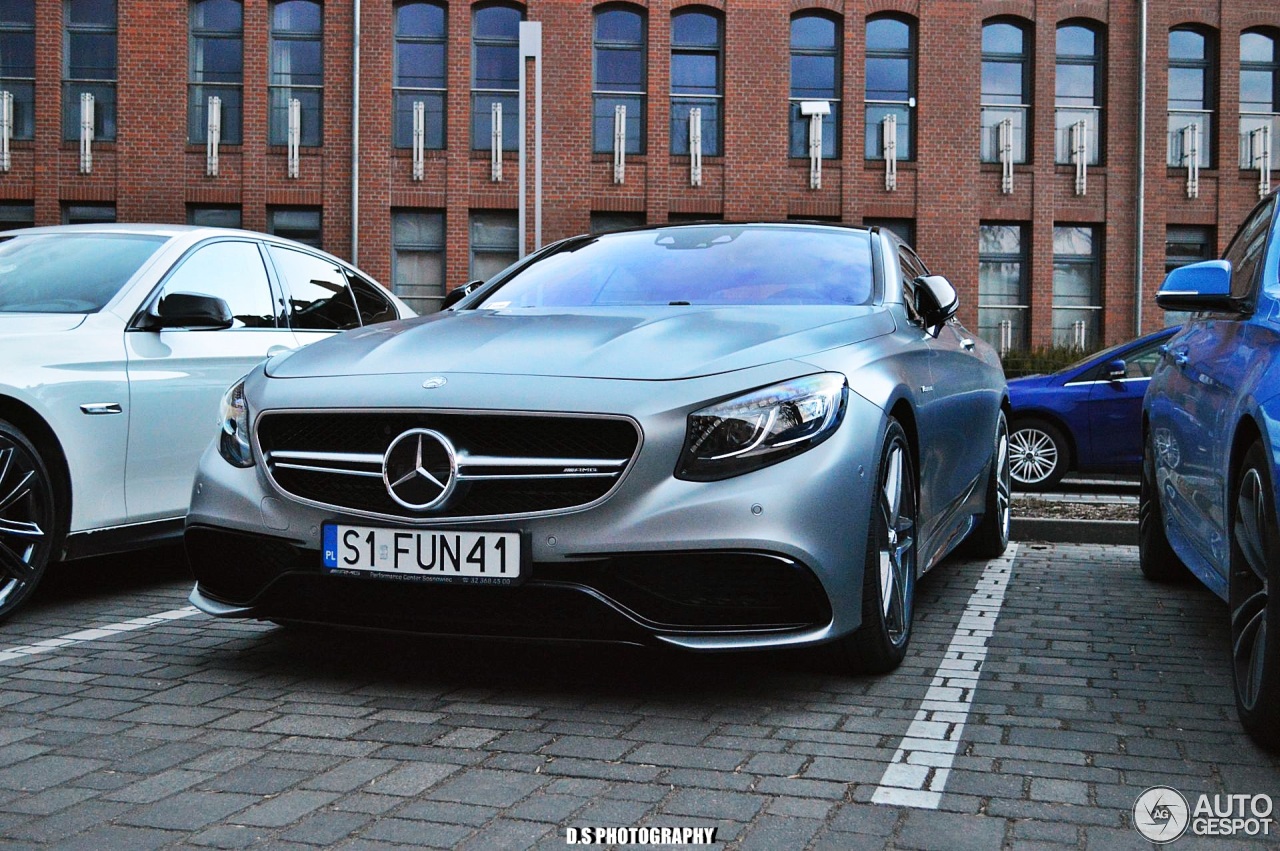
x=1006, y=86
x=618, y=77
x=297, y=70
x=420, y=72
x=1192, y=86
x=89, y=66
x=891, y=85
x=1259, y=97
x=18, y=63
x=815, y=76
x=495, y=75
x=216, y=60
x=697, y=54
x=1078, y=79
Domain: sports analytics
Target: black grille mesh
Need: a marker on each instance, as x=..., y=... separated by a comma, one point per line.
x=507, y=435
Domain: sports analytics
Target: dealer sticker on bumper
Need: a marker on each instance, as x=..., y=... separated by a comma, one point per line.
x=471, y=558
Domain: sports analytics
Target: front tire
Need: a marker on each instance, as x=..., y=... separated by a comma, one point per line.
x=991, y=537
x=1038, y=455
x=1156, y=557
x=889, y=573
x=28, y=529
x=1254, y=600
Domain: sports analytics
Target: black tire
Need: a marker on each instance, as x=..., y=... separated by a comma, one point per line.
x=991, y=536
x=1156, y=557
x=889, y=572
x=29, y=532
x=1039, y=455
x=1254, y=599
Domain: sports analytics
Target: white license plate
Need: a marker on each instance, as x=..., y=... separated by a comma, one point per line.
x=471, y=558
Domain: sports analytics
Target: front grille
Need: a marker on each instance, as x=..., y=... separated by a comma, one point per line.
x=507, y=463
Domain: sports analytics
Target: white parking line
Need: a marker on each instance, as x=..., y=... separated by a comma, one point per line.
x=918, y=772
x=24, y=652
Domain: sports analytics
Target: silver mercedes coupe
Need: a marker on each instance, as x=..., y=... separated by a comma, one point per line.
x=712, y=436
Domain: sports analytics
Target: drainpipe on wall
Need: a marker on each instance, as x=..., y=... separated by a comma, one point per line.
x=355, y=136
x=1142, y=167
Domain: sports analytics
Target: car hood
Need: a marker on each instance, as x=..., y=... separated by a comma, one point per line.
x=1030, y=381
x=624, y=343
x=27, y=324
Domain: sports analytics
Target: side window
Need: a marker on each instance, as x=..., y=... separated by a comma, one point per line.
x=1142, y=363
x=319, y=299
x=373, y=305
x=1246, y=251
x=912, y=268
x=233, y=272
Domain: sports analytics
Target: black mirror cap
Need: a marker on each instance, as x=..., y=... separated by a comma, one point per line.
x=457, y=294
x=194, y=311
x=936, y=301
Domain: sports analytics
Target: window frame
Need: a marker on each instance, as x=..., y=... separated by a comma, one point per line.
x=1098, y=62
x=273, y=228
x=104, y=108
x=429, y=94
x=1208, y=66
x=1093, y=260
x=911, y=54
x=474, y=247
x=197, y=109
x=1022, y=257
x=602, y=142
x=510, y=119
x=24, y=106
x=679, y=142
x=798, y=124
x=1254, y=116
x=440, y=248
x=274, y=89
x=1025, y=59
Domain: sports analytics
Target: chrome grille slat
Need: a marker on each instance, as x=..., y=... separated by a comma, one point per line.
x=335, y=459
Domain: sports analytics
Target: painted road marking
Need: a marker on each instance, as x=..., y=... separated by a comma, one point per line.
x=918, y=772
x=26, y=651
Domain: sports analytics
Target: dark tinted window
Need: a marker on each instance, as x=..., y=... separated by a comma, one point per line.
x=18, y=62
x=233, y=272
x=1246, y=251
x=420, y=72
x=373, y=305
x=68, y=273
x=216, y=68
x=700, y=264
x=319, y=299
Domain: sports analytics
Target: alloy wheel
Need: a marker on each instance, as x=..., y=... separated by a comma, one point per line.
x=1253, y=538
x=897, y=557
x=1033, y=454
x=26, y=520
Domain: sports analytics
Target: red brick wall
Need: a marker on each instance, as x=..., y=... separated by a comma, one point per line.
x=151, y=173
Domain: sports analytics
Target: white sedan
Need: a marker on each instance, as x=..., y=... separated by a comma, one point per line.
x=116, y=344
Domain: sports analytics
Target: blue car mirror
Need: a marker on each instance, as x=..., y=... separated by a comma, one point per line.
x=1117, y=370
x=1198, y=286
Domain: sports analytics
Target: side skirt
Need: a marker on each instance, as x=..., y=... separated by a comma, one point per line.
x=118, y=539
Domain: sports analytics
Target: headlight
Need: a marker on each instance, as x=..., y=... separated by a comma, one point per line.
x=233, y=442
x=761, y=428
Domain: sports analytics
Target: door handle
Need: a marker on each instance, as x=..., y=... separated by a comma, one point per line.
x=966, y=344
x=1181, y=358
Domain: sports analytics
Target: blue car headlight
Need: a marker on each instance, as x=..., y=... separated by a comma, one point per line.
x=233, y=441
x=762, y=427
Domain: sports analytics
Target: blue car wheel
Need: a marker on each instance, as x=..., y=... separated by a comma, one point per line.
x=1254, y=600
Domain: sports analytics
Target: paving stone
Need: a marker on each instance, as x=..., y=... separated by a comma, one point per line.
x=43, y=771
x=714, y=804
x=418, y=834
x=326, y=829
x=486, y=787
x=774, y=832
x=188, y=810
x=285, y=808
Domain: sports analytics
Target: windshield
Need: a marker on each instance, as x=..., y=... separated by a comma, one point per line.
x=698, y=264
x=68, y=273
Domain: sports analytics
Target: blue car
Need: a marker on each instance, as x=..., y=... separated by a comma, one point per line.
x=1086, y=417
x=1211, y=433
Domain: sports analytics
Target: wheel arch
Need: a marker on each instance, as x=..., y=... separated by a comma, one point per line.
x=29, y=421
x=906, y=417
x=1246, y=434
x=1046, y=416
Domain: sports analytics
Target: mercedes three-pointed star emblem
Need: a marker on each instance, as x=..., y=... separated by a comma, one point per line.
x=420, y=469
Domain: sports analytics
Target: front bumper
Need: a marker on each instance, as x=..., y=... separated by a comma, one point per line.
x=770, y=558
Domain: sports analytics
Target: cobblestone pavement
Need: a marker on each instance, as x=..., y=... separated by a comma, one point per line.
x=188, y=732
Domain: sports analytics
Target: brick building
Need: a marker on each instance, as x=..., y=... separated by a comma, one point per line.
x=1001, y=136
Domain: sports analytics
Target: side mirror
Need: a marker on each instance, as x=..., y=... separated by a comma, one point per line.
x=1116, y=370
x=457, y=294
x=936, y=301
x=193, y=311
x=1199, y=286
